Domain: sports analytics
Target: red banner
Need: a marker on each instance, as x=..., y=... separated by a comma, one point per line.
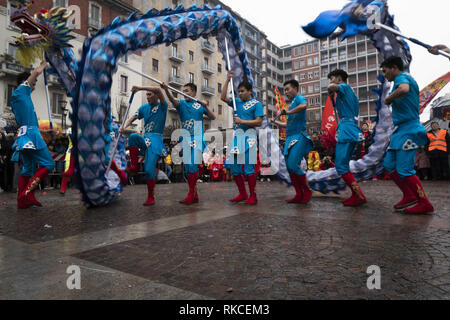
x=430, y=91
x=329, y=123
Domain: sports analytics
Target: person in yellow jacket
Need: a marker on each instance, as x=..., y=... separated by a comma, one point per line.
x=314, y=161
x=437, y=151
x=168, y=162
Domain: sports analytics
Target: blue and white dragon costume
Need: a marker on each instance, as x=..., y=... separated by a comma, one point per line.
x=354, y=19
x=88, y=81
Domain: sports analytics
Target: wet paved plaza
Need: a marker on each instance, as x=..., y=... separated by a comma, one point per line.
x=216, y=250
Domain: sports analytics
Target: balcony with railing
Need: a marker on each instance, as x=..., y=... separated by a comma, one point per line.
x=207, y=69
x=175, y=56
x=12, y=67
x=207, y=91
x=333, y=59
x=176, y=80
x=208, y=47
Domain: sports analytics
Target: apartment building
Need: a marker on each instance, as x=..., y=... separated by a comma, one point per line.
x=305, y=59
x=88, y=19
x=361, y=60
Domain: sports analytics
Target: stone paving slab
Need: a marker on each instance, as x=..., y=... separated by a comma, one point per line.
x=270, y=251
x=273, y=257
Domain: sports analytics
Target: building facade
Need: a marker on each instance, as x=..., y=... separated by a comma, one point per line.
x=305, y=59
x=361, y=60
x=89, y=17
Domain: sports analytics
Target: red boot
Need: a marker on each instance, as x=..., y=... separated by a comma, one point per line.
x=409, y=199
x=122, y=176
x=134, y=157
x=307, y=193
x=192, y=181
x=253, y=200
x=151, y=192
x=424, y=205
x=71, y=171
x=298, y=189
x=23, y=182
x=357, y=197
x=28, y=193
x=242, y=191
x=64, y=182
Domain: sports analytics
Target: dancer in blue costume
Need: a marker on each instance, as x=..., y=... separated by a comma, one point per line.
x=348, y=133
x=298, y=143
x=191, y=116
x=30, y=144
x=249, y=116
x=151, y=145
x=409, y=136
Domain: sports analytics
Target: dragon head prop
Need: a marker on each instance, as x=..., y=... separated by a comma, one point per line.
x=40, y=32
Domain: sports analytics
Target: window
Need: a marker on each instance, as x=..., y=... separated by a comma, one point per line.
x=316, y=87
x=219, y=109
x=57, y=98
x=296, y=64
x=318, y=100
x=316, y=46
x=317, y=115
x=296, y=77
x=13, y=5
x=302, y=63
x=11, y=89
x=303, y=90
x=60, y=3
x=302, y=50
x=155, y=65
x=206, y=82
x=174, y=50
x=296, y=52
x=310, y=75
x=311, y=101
x=219, y=67
x=309, y=48
x=302, y=76
x=310, y=89
x=316, y=74
x=124, y=58
x=191, y=56
x=316, y=60
x=123, y=110
x=174, y=72
x=95, y=12
x=123, y=84
x=219, y=87
x=310, y=61
x=206, y=63
x=191, y=77
x=12, y=50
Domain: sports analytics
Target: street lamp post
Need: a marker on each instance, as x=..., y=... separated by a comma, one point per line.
x=62, y=105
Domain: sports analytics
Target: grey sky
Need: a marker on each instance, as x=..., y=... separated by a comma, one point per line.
x=424, y=20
